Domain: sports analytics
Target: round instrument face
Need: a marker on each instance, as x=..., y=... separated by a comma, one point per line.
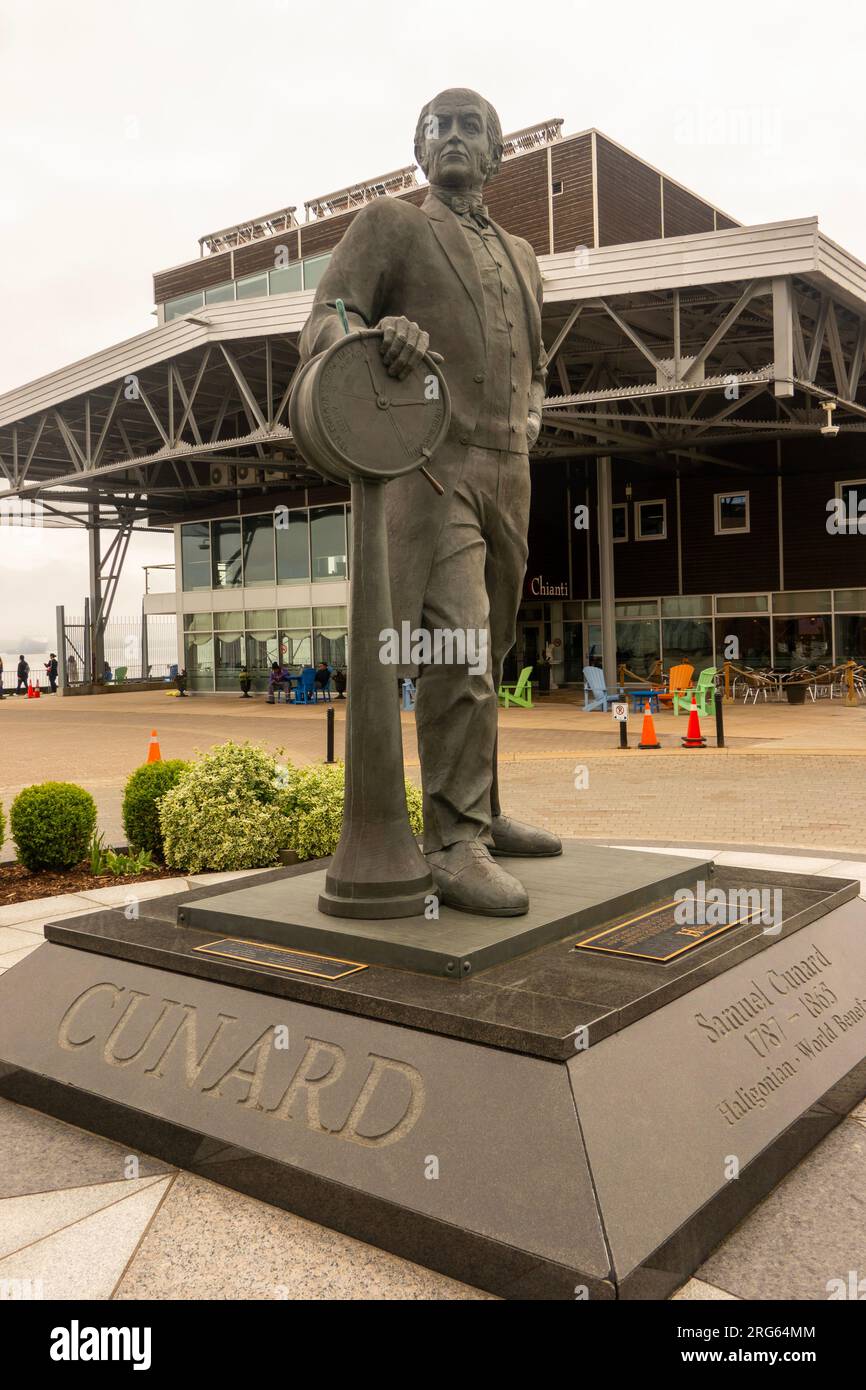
x=376, y=425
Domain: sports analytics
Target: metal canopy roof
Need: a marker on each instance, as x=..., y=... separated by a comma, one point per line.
x=733, y=334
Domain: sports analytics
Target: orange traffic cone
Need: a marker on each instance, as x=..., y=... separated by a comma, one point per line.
x=154, y=754
x=37, y=693
x=694, y=738
x=648, y=737
x=30, y=690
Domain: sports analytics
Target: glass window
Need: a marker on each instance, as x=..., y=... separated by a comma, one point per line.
x=218, y=294
x=592, y=609
x=286, y=279
x=262, y=649
x=687, y=606
x=259, y=549
x=296, y=648
x=328, y=542
x=184, y=304
x=294, y=617
x=228, y=622
x=637, y=609
x=732, y=512
x=314, y=269
x=851, y=637
x=850, y=600
x=745, y=641
x=620, y=521
x=195, y=554
x=637, y=646
x=252, y=286
x=687, y=639
x=198, y=659
x=572, y=612
x=742, y=603
x=197, y=622
x=329, y=617
x=651, y=520
x=329, y=644
x=259, y=617
x=808, y=601
x=572, y=641
x=803, y=641
x=293, y=546
x=229, y=656
x=226, y=538
x=853, y=494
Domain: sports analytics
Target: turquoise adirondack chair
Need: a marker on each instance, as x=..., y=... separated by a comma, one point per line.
x=594, y=686
x=519, y=692
x=704, y=693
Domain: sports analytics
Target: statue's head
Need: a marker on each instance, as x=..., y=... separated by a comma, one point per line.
x=458, y=139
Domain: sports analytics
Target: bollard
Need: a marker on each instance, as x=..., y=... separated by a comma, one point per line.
x=330, y=756
x=718, y=704
x=623, y=734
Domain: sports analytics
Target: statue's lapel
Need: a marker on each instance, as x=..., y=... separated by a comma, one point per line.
x=452, y=239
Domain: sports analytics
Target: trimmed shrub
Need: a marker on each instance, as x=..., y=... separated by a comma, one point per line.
x=313, y=806
x=51, y=825
x=225, y=812
x=145, y=788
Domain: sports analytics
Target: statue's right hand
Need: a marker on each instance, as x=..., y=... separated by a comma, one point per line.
x=403, y=345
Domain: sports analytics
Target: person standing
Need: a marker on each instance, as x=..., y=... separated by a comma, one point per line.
x=51, y=672
x=23, y=675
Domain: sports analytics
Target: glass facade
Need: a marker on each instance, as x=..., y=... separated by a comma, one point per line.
x=216, y=645
x=299, y=275
x=781, y=631
x=286, y=547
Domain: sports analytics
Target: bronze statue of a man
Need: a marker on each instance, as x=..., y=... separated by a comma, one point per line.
x=444, y=276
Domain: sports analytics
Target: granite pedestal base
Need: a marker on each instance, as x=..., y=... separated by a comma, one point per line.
x=558, y=1125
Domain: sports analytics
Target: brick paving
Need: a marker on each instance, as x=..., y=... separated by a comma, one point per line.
x=790, y=775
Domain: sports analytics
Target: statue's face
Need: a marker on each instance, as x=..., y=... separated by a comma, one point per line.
x=457, y=148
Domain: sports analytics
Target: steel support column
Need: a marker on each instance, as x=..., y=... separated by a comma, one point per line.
x=97, y=621
x=605, y=570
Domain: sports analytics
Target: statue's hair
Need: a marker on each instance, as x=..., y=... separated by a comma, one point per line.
x=491, y=120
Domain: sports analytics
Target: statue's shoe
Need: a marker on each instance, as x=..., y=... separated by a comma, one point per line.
x=512, y=837
x=466, y=877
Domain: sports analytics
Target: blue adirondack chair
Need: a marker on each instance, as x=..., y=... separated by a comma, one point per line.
x=595, y=687
x=306, y=691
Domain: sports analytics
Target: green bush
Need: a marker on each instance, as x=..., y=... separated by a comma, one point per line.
x=2, y=825
x=225, y=812
x=313, y=806
x=52, y=824
x=144, y=790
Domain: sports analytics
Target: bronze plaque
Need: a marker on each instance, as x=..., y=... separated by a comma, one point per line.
x=656, y=935
x=281, y=958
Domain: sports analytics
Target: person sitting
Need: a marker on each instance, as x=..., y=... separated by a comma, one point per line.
x=277, y=680
x=323, y=675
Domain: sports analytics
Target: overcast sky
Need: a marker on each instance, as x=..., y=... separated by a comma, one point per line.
x=129, y=128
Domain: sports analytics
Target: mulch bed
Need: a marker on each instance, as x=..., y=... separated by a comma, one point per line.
x=19, y=885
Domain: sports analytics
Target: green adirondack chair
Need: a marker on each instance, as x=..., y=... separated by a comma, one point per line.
x=704, y=693
x=518, y=693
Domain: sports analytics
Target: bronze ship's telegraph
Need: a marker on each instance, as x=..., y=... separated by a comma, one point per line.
x=354, y=423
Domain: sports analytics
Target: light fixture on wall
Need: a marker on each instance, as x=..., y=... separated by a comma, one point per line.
x=628, y=492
